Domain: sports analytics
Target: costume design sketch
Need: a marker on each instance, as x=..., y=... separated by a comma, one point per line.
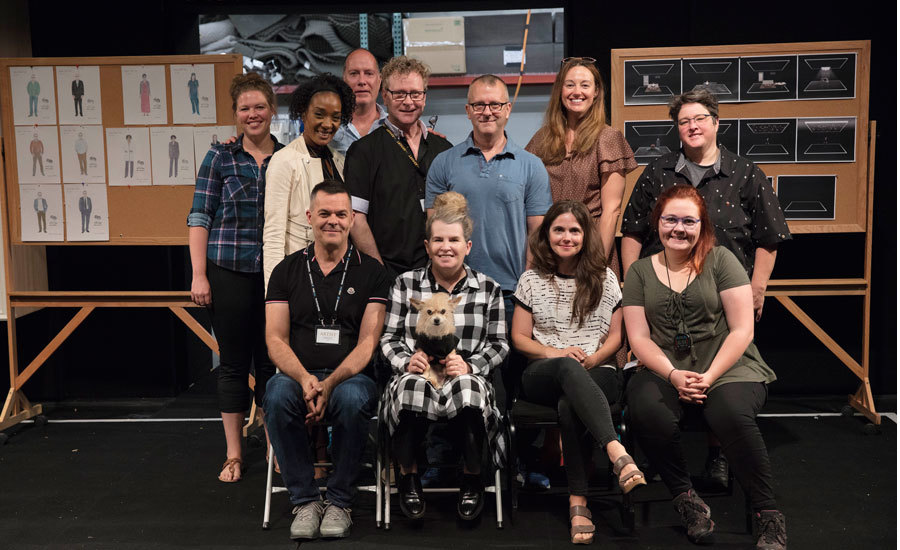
x=83, y=159
x=33, y=95
x=172, y=153
x=207, y=136
x=41, y=212
x=128, y=156
x=81, y=83
x=144, y=94
x=37, y=154
x=193, y=93
x=87, y=212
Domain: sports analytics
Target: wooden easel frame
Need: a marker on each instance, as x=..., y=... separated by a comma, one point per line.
x=17, y=407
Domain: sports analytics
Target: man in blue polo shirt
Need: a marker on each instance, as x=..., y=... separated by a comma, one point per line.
x=507, y=188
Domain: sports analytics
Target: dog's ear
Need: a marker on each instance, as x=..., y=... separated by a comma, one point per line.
x=416, y=304
x=455, y=302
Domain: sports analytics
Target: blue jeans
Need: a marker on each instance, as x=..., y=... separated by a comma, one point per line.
x=349, y=409
x=32, y=105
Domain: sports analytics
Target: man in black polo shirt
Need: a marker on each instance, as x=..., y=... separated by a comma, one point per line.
x=385, y=172
x=324, y=315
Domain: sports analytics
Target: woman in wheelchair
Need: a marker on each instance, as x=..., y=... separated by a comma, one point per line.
x=567, y=322
x=466, y=398
x=689, y=315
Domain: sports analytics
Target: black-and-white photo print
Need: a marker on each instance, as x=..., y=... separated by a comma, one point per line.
x=768, y=139
x=652, y=81
x=826, y=139
x=826, y=76
x=727, y=135
x=807, y=197
x=650, y=139
x=718, y=75
x=769, y=78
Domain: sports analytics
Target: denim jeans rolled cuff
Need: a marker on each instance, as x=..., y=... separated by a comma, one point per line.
x=349, y=410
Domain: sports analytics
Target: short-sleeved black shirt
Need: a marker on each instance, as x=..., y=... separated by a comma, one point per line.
x=740, y=200
x=390, y=190
x=366, y=282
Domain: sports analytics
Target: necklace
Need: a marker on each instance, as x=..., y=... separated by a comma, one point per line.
x=682, y=340
x=669, y=279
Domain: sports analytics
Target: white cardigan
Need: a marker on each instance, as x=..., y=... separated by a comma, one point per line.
x=291, y=175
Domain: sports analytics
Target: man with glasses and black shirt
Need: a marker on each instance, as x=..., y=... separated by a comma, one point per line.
x=385, y=172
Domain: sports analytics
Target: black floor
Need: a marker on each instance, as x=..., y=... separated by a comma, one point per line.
x=153, y=485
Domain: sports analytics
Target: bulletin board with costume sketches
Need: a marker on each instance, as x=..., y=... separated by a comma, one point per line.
x=83, y=128
x=798, y=110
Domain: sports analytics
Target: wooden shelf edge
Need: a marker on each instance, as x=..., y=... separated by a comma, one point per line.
x=457, y=81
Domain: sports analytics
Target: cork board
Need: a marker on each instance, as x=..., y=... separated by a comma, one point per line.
x=764, y=87
x=138, y=215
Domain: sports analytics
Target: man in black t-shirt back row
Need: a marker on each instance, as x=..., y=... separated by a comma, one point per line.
x=325, y=312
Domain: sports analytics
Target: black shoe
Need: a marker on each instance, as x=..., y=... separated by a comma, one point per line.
x=471, y=497
x=715, y=474
x=695, y=517
x=412, y=501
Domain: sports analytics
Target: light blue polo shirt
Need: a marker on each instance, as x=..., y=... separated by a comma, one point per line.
x=501, y=194
x=347, y=133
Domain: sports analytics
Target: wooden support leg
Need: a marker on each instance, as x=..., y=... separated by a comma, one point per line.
x=16, y=409
x=196, y=328
x=863, y=402
x=52, y=346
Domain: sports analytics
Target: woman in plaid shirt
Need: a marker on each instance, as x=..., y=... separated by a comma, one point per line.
x=467, y=398
x=225, y=240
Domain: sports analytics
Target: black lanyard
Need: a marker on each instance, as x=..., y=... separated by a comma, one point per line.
x=312, y=285
x=405, y=150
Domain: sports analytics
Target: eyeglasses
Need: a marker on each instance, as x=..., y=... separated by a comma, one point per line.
x=577, y=60
x=671, y=221
x=495, y=107
x=400, y=95
x=699, y=119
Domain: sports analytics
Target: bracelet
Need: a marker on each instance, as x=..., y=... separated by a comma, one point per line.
x=669, y=377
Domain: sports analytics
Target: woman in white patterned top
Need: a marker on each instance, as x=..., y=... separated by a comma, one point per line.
x=568, y=323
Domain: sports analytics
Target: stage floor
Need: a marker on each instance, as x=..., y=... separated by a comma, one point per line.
x=142, y=474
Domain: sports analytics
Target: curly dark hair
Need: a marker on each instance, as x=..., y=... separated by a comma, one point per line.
x=326, y=82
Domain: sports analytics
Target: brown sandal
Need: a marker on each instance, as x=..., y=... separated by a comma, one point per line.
x=627, y=482
x=582, y=511
x=230, y=465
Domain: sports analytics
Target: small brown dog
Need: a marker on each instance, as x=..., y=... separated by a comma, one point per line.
x=436, y=333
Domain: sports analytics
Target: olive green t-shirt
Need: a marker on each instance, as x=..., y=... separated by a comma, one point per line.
x=704, y=315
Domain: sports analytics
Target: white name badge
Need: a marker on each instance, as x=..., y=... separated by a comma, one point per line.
x=328, y=335
x=422, y=203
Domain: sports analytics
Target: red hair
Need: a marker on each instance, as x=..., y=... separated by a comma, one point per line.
x=706, y=239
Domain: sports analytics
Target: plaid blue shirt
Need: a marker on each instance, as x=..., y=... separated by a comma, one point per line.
x=228, y=201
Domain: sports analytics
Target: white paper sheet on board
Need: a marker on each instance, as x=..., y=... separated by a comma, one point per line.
x=41, y=212
x=128, y=156
x=37, y=154
x=172, y=154
x=193, y=93
x=33, y=97
x=144, y=94
x=207, y=136
x=78, y=89
x=82, y=152
x=87, y=213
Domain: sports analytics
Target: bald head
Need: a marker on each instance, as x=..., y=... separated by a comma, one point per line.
x=488, y=81
x=362, y=75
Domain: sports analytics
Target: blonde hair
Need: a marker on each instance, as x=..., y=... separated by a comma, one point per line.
x=552, y=148
x=401, y=65
x=450, y=207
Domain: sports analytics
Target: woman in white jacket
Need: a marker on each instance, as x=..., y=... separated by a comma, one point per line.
x=323, y=104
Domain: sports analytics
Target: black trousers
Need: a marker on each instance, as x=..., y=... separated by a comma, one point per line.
x=730, y=412
x=582, y=399
x=468, y=424
x=239, y=321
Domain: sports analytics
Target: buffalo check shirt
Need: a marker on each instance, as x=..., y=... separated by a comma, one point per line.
x=479, y=319
x=228, y=201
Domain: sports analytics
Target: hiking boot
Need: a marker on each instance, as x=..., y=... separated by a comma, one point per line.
x=770, y=531
x=336, y=522
x=695, y=517
x=306, y=520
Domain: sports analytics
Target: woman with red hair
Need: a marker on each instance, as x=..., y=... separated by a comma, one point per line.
x=689, y=318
